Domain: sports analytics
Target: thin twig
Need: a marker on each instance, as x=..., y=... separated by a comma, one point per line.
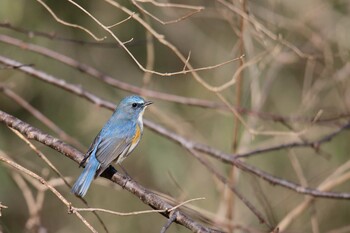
x=135, y=212
x=118, y=23
x=172, y=5
x=2, y=207
x=169, y=222
x=116, y=212
x=195, y=10
x=51, y=188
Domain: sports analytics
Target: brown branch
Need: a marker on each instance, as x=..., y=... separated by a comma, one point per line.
x=142, y=193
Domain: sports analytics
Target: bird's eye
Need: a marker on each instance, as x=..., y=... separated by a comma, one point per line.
x=134, y=105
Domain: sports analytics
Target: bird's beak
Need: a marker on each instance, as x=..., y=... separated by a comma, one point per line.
x=147, y=103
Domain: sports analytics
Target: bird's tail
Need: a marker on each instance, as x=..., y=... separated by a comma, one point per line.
x=83, y=182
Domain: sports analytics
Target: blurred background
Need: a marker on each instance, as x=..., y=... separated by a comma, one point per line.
x=295, y=68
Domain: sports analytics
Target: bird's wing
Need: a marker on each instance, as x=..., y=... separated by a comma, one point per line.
x=91, y=149
x=110, y=148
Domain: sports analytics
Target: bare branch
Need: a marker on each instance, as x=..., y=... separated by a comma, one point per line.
x=195, y=10
x=123, y=21
x=312, y=144
x=135, y=212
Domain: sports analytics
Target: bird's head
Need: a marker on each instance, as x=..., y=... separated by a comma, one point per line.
x=132, y=106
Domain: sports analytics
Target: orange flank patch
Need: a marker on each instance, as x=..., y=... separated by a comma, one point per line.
x=136, y=138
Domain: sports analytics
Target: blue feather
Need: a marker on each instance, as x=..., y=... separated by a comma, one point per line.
x=82, y=185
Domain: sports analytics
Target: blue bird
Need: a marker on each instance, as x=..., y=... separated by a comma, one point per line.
x=117, y=139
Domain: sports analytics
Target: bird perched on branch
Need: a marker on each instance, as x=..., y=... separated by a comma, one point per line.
x=117, y=139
